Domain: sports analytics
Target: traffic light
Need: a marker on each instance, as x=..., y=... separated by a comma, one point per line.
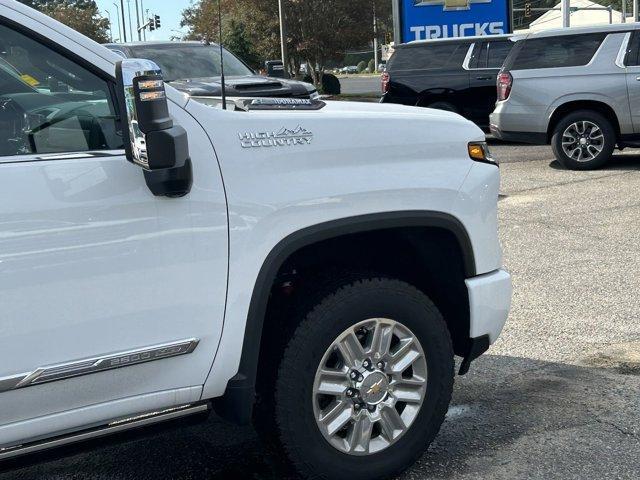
x=152, y=24
x=156, y=20
x=527, y=9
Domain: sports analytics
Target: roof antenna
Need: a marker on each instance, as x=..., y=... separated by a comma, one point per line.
x=222, y=80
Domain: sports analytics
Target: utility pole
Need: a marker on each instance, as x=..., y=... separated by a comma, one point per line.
x=635, y=10
x=624, y=11
x=130, y=24
x=566, y=13
x=145, y=30
x=110, y=29
x=397, y=34
x=124, y=22
x=283, y=39
x=138, y=22
x=375, y=39
x=118, y=19
x=145, y=18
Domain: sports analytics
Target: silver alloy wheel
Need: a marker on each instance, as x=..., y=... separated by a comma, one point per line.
x=369, y=387
x=582, y=141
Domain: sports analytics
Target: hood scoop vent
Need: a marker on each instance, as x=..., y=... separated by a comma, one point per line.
x=255, y=86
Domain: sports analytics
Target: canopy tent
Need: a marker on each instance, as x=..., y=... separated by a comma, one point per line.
x=588, y=13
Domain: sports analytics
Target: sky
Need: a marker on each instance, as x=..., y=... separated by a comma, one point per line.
x=170, y=12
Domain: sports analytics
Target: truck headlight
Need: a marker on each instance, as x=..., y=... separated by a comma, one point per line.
x=479, y=151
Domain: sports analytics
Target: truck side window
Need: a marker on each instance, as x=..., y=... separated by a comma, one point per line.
x=557, y=51
x=493, y=54
x=50, y=104
x=632, y=58
x=428, y=57
x=497, y=53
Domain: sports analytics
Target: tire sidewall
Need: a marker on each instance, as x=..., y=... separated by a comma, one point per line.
x=329, y=322
x=609, y=140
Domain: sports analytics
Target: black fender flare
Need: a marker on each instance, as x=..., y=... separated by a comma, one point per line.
x=237, y=403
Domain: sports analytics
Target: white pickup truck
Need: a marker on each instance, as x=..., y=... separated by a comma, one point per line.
x=311, y=267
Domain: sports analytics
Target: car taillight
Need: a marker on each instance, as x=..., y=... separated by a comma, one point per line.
x=385, y=82
x=505, y=82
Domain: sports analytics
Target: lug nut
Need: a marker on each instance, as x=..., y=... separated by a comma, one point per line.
x=354, y=375
x=372, y=408
x=351, y=393
x=367, y=364
x=357, y=406
x=380, y=365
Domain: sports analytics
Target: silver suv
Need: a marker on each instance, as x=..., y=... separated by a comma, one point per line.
x=577, y=89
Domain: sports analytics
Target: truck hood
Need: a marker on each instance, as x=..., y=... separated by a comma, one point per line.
x=369, y=132
x=359, y=109
x=346, y=123
x=246, y=86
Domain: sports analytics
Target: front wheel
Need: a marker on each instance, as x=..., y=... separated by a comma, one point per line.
x=365, y=382
x=583, y=140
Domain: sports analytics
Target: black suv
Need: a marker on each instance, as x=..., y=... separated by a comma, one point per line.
x=455, y=74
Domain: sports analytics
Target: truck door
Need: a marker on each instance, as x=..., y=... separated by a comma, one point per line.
x=484, y=65
x=632, y=68
x=111, y=299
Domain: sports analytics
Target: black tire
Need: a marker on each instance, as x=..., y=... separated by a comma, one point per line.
x=298, y=437
x=331, y=84
x=446, y=106
x=608, y=145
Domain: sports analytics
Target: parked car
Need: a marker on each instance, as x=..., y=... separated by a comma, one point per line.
x=576, y=89
x=161, y=258
x=350, y=70
x=194, y=68
x=453, y=74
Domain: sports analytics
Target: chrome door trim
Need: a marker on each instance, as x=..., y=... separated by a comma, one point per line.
x=467, y=58
x=622, y=53
x=47, y=157
x=90, y=366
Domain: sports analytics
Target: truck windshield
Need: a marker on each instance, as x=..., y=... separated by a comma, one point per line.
x=181, y=62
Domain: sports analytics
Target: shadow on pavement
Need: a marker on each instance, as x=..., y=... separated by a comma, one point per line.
x=508, y=415
x=618, y=162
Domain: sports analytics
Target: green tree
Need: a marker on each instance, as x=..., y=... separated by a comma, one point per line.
x=318, y=32
x=236, y=40
x=372, y=66
x=250, y=24
x=81, y=15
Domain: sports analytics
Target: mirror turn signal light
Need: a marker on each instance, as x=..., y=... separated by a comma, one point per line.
x=479, y=151
x=150, y=96
x=150, y=84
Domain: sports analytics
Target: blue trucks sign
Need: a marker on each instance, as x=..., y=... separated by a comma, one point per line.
x=425, y=19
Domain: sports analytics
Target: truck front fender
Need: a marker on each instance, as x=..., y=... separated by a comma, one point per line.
x=237, y=403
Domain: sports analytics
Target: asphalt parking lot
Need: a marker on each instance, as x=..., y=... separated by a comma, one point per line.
x=557, y=397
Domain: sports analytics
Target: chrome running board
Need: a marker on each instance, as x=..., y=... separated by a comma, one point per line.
x=114, y=427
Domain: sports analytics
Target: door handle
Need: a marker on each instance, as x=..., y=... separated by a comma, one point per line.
x=489, y=78
x=637, y=79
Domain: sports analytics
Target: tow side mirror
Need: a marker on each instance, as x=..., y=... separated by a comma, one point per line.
x=151, y=139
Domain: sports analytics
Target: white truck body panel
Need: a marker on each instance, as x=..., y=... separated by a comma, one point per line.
x=276, y=191
x=91, y=263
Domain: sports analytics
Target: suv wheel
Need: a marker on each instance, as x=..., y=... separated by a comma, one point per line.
x=364, y=383
x=583, y=140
